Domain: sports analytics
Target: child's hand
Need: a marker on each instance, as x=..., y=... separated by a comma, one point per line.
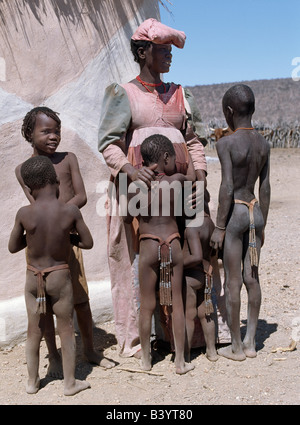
x=217, y=238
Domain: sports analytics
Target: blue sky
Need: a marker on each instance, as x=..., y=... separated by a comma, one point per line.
x=233, y=40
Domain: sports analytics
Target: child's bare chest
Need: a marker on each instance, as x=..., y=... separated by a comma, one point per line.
x=63, y=171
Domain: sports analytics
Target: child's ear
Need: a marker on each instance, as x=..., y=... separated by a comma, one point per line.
x=166, y=157
x=57, y=180
x=28, y=188
x=230, y=109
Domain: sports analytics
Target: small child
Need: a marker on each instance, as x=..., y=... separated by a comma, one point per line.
x=159, y=232
x=42, y=129
x=241, y=219
x=44, y=228
x=198, y=277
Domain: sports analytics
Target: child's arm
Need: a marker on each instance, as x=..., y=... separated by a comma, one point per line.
x=25, y=188
x=265, y=193
x=265, y=189
x=193, y=253
x=17, y=240
x=225, y=194
x=80, y=197
x=84, y=238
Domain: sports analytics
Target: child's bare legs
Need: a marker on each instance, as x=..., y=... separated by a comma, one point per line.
x=55, y=365
x=208, y=327
x=232, y=257
x=190, y=313
x=147, y=279
x=178, y=317
x=251, y=281
x=85, y=323
x=59, y=288
x=36, y=325
x=195, y=297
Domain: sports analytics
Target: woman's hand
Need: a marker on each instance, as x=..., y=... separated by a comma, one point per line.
x=145, y=174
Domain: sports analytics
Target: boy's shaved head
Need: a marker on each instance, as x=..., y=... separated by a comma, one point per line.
x=37, y=172
x=154, y=146
x=240, y=98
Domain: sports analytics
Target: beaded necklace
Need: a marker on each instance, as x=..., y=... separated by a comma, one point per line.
x=144, y=84
x=244, y=128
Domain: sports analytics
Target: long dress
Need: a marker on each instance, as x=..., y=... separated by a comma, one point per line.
x=128, y=116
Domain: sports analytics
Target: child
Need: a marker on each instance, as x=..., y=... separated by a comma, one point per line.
x=44, y=227
x=42, y=128
x=198, y=277
x=158, y=232
x=244, y=157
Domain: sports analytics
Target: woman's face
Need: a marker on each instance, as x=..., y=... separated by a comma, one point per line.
x=159, y=57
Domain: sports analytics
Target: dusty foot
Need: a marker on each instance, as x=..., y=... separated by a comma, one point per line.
x=33, y=387
x=187, y=367
x=212, y=355
x=249, y=351
x=55, y=369
x=98, y=358
x=146, y=363
x=229, y=354
x=77, y=387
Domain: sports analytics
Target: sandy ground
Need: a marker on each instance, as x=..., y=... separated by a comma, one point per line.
x=272, y=378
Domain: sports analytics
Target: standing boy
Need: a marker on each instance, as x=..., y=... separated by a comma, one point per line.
x=42, y=128
x=241, y=219
x=160, y=253
x=198, y=276
x=44, y=227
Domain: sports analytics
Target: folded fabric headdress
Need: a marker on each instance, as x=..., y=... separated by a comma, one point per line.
x=158, y=33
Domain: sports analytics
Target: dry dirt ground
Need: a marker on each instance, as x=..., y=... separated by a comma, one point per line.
x=272, y=378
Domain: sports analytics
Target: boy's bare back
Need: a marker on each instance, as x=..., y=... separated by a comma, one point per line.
x=244, y=153
x=48, y=226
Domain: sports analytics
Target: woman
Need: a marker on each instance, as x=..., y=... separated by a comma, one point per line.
x=130, y=113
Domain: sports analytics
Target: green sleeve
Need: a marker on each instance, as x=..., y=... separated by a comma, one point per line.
x=115, y=116
x=194, y=118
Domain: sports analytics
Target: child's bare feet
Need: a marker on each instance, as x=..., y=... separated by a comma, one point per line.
x=229, y=354
x=55, y=369
x=32, y=387
x=212, y=354
x=77, y=387
x=185, y=368
x=146, y=362
x=98, y=358
x=249, y=350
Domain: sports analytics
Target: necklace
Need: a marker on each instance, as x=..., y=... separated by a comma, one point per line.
x=244, y=128
x=144, y=84
x=159, y=175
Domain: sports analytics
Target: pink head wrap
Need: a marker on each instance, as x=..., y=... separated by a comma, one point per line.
x=158, y=33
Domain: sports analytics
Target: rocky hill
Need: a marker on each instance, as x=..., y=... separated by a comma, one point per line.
x=277, y=102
